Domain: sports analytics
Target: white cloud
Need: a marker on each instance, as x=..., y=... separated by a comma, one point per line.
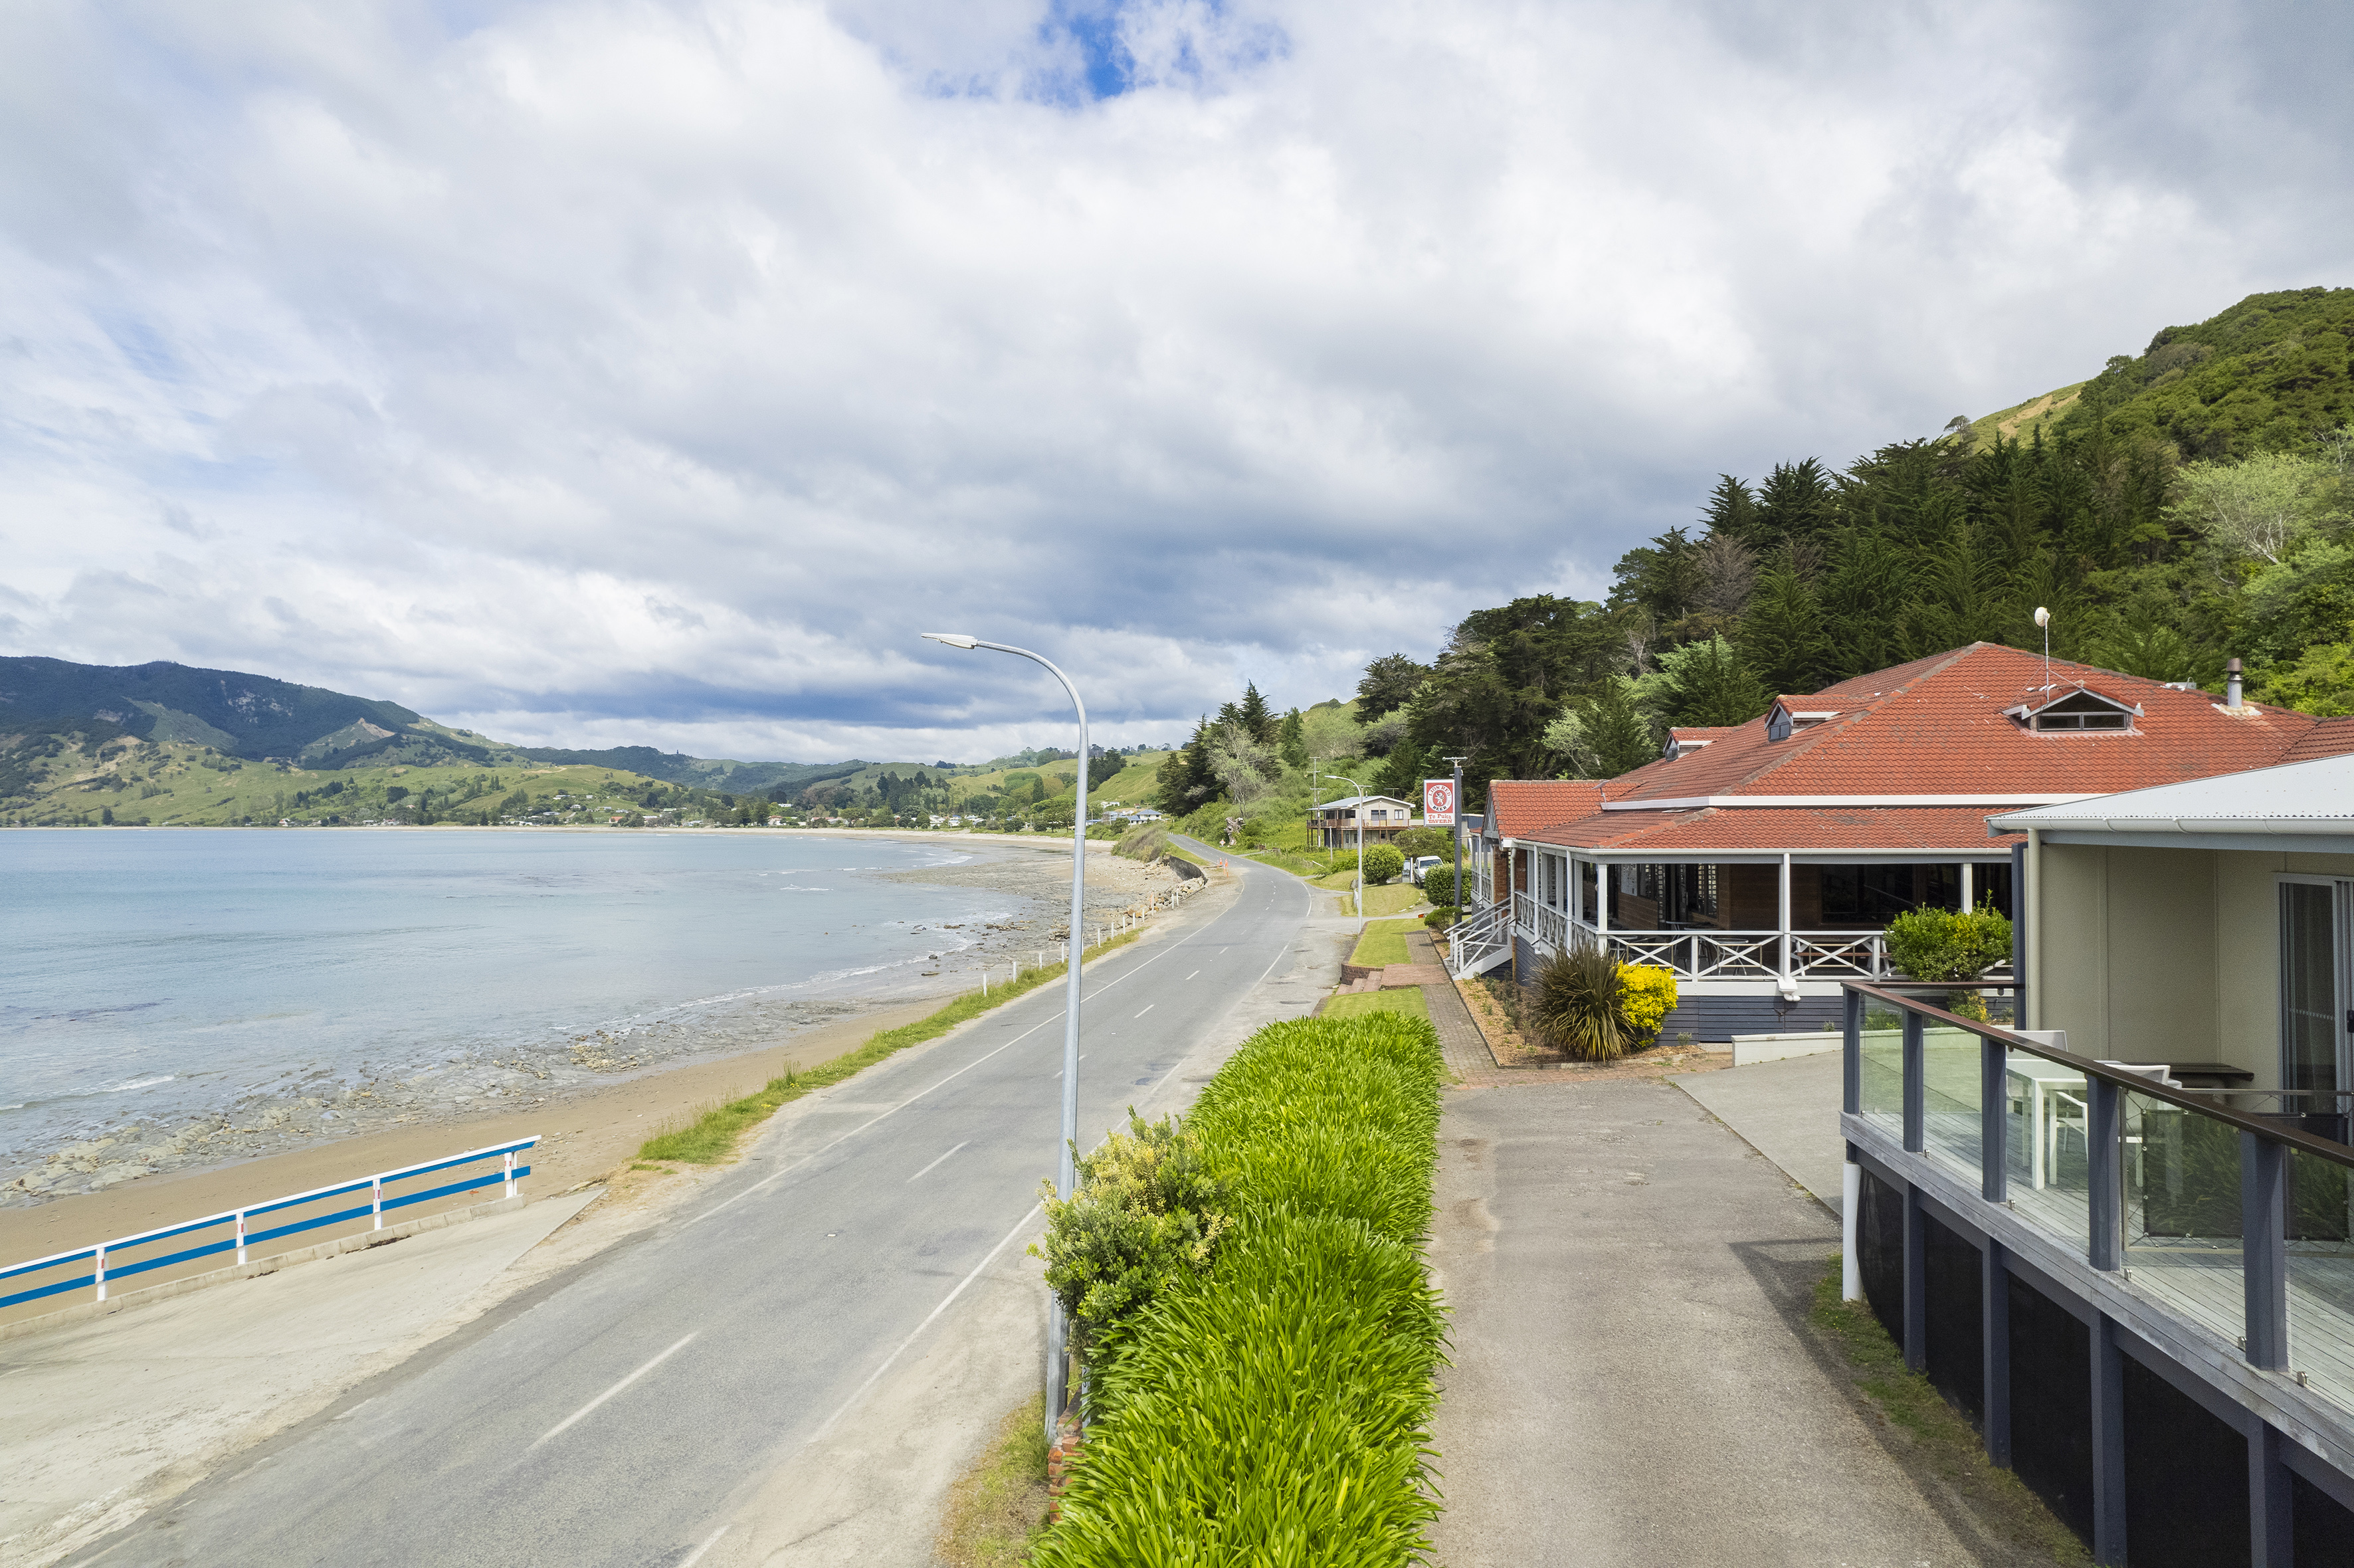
x=639, y=371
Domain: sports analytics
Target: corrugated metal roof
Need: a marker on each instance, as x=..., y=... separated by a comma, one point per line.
x=2315, y=796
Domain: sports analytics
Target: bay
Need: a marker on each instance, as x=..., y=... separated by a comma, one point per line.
x=161, y=978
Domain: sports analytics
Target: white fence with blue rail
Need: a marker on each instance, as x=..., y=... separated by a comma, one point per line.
x=108, y=1264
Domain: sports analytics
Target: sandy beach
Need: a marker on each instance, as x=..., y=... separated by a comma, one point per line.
x=591, y=1112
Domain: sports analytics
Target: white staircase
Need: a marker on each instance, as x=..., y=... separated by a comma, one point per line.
x=1481, y=942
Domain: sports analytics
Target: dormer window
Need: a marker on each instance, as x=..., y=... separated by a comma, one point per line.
x=2077, y=712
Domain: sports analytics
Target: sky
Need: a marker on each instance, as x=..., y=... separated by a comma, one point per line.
x=601, y=373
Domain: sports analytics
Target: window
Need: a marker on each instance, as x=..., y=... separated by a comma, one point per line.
x=2077, y=712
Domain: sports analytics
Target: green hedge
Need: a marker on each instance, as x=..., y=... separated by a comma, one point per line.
x=1277, y=1410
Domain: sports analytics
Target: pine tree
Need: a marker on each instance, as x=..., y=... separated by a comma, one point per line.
x=1253, y=716
x=1782, y=634
x=1291, y=740
x=1732, y=510
x=1706, y=683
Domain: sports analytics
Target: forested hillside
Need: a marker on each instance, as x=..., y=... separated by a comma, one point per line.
x=2186, y=505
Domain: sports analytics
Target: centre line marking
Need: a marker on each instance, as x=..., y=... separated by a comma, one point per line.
x=615, y=1389
x=1196, y=972
x=935, y=1164
x=696, y=1557
x=1148, y=1007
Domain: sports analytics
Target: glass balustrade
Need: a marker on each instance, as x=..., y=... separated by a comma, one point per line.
x=1883, y=1075
x=1951, y=1132
x=2181, y=1171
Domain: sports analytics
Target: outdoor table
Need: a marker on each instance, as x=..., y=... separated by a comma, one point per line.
x=2043, y=1080
x=2208, y=1075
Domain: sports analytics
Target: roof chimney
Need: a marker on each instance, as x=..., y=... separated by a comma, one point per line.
x=2232, y=683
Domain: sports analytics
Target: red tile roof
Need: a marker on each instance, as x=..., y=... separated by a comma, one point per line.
x=1931, y=739
x=1754, y=828
x=1936, y=726
x=1519, y=806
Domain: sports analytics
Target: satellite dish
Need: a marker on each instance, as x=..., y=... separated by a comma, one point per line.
x=2042, y=616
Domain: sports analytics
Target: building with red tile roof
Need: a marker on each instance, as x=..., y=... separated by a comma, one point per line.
x=1761, y=861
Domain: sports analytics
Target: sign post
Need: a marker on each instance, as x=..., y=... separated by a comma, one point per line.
x=1438, y=799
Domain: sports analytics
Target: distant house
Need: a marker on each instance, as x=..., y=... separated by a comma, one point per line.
x=1761, y=862
x=1337, y=824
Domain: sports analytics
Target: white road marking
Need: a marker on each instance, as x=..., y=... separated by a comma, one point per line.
x=1196, y=972
x=1056, y=1018
x=946, y=1301
x=615, y=1389
x=1148, y=1007
x=935, y=1164
x=696, y=1557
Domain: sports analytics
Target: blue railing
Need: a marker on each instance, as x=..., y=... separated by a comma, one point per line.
x=107, y=1265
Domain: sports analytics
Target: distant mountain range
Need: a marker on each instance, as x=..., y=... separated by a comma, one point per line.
x=260, y=718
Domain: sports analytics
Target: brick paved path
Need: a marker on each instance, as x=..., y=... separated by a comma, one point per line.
x=1459, y=1040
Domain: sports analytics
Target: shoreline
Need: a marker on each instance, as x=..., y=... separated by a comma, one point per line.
x=508, y=1089
x=583, y=1136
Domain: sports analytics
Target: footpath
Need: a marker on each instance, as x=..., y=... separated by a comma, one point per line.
x=1633, y=1379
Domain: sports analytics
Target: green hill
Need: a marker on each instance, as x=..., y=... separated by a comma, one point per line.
x=2268, y=375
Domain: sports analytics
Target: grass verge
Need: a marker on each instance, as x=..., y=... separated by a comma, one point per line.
x=1938, y=1435
x=998, y=1508
x=711, y=1135
x=1407, y=1000
x=1383, y=943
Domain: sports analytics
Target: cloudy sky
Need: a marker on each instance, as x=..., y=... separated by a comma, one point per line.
x=598, y=373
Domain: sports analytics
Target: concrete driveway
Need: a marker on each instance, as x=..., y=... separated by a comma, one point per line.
x=1633, y=1383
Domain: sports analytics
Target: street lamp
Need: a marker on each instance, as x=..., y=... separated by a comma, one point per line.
x=1360, y=789
x=1065, y=1176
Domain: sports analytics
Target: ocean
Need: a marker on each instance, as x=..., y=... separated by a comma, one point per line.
x=159, y=978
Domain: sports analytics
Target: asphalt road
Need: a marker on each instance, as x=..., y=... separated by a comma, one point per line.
x=607, y=1418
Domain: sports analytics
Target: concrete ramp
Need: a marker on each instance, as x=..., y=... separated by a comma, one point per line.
x=110, y=1416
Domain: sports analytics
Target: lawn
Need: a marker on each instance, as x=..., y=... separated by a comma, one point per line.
x=1384, y=942
x=1407, y=1000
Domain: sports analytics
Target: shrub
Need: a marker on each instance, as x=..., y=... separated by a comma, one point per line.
x=1945, y=945
x=1441, y=918
x=1438, y=885
x=1383, y=865
x=1578, y=1004
x=1415, y=841
x=1278, y=1409
x=1145, y=1212
x=1647, y=995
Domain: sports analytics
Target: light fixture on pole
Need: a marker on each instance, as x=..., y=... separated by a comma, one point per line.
x=1066, y=1175
x=1360, y=789
x=2044, y=620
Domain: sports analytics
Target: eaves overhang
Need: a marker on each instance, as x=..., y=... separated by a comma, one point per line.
x=1695, y=802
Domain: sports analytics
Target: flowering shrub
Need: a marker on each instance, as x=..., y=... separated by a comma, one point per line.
x=1645, y=996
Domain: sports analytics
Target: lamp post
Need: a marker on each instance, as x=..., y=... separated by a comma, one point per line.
x=1065, y=1176
x=1360, y=789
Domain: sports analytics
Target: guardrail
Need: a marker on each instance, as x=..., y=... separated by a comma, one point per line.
x=105, y=1260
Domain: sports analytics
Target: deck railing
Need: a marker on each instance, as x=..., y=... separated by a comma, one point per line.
x=112, y=1261
x=1708, y=952
x=2238, y=1220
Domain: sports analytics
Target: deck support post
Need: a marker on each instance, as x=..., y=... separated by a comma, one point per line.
x=2108, y=1395
x=2263, y=1225
x=1851, y=1228
x=1789, y=947
x=1916, y=1281
x=2272, y=1534
x=1994, y=1350
x=1851, y=1050
x=1994, y=1120
x=2105, y=1201
x=1915, y=1096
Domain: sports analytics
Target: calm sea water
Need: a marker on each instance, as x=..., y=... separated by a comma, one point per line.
x=159, y=974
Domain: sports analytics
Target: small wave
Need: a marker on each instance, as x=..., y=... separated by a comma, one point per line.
x=140, y=1084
